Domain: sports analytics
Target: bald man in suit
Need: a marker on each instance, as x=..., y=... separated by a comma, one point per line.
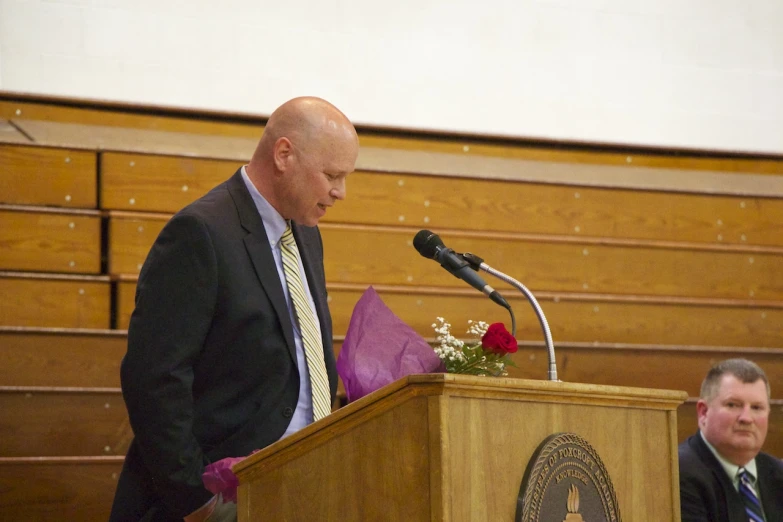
x=215, y=365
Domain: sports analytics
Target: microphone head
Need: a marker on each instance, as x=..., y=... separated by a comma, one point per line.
x=427, y=243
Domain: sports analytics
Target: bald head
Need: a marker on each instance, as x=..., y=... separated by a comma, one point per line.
x=306, y=121
x=306, y=140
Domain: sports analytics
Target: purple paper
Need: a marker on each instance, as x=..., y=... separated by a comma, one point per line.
x=380, y=348
x=218, y=478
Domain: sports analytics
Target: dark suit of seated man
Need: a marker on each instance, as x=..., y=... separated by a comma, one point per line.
x=724, y=477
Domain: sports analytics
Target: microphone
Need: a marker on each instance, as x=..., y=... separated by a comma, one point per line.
x=429, y=245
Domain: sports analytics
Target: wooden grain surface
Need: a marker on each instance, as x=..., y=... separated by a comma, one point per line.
x=10, y=134
x=579, y=318
x=48, y=176
x=58, y=303
x=53, y=490
x=175, y=119
x=50, y=242
x=53, y=421
x=486, y=435
x=544, y=264
x=158, y=183
x=61, y=357
x=121, y=139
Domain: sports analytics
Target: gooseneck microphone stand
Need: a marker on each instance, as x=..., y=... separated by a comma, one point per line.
x=477, y=263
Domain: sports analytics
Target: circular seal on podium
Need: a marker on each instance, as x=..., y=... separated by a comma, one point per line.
x=566, y=481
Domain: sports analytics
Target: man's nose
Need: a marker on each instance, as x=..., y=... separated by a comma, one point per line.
x=339, y=190
x=746, y=415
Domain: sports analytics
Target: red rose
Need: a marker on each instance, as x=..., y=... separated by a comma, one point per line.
x=498, y=340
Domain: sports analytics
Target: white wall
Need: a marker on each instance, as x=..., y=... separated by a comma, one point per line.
x=684, y=73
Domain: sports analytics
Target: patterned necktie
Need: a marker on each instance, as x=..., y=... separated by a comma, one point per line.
x=311, y=339
x=749, y=497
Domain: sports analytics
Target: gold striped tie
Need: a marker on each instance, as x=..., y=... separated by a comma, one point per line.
x=313, y=347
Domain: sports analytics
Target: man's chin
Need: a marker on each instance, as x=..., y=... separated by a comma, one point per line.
x=746, y=443
x=309, y=222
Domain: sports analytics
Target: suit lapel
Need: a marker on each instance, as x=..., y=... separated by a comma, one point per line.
x=734, y=505
x=260, y=252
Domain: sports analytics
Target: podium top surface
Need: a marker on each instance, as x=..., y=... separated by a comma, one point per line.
x=450, y=381
x=466, y=386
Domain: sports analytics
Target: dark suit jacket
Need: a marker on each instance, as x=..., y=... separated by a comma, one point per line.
x=708, y=495
x=210, y=370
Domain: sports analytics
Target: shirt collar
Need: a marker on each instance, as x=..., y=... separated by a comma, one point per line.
x=274, y=224
x=730, y=468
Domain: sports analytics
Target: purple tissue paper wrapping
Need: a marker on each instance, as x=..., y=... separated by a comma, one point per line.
x=218, y=478
x=380, y=348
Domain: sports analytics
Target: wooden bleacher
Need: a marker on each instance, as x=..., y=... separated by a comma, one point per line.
x=650, y=266
x=40, y=239
x=58, y=488
x=61, y=357
x=54, y=300
x=49, y=176
x=64, y=424
x=53, y=421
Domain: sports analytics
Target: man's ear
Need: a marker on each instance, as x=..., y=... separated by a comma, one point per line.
x=282, y=153
x=701, y=410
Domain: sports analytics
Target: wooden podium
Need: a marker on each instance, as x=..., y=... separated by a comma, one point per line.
x=444, y=447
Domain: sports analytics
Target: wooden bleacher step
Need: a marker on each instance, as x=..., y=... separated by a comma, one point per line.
x=48, y=176
x=55, y=300
x=61, y=357
x=41, y=239
x=52, y=421
x=56, y=489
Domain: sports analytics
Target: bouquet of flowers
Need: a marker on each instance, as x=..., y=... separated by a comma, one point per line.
x=489, y=354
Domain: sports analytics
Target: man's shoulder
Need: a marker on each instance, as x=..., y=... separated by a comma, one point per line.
x=770, y=463
x=213, y=214
x=213, y=207
x=691, y=447
x=218, y=195
x=694, y=457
